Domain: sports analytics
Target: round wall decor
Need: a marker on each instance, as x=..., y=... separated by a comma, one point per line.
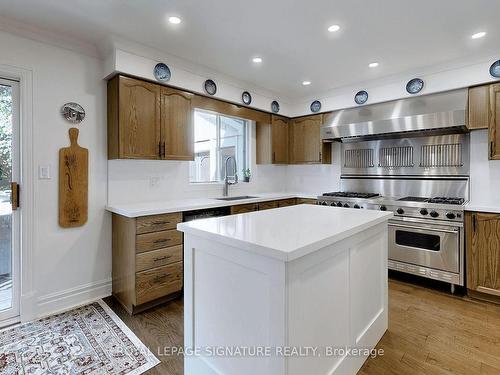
x=495, y=69
x=275, y=106
x=361, y=97
x=414, y=86
x=210, y=87
x=73, y=112
x=162, y=72
x=315, y=106
x=246, y=98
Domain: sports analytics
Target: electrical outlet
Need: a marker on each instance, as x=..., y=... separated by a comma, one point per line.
x=44, y=172
x=154, y=181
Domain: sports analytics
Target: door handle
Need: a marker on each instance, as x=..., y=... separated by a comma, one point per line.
x=14, y=197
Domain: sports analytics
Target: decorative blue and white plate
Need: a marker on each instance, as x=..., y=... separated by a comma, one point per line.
x=414, y=86
x=162, y=72
x=495, y=69
x=246, y=98
x=210, y=87
x=315, y=106
x=275, y=106
x=361, y=97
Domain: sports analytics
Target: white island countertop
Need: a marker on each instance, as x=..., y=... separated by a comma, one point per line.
x=136, y=209
x=286, y=233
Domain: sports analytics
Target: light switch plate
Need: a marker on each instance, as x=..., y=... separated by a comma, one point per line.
x=44, y=172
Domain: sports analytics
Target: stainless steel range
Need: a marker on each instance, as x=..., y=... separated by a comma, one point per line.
x=425, y=182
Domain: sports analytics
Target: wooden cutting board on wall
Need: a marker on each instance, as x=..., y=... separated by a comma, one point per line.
x=73, y=183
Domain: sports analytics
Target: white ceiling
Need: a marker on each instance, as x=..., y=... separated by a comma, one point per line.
x=290, y=35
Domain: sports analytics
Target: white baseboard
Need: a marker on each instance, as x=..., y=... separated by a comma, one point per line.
x=70, y=298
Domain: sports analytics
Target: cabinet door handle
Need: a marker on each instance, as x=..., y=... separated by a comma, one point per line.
x=320, y=159
x=164, y=148
x=491, y=149
x=160, y=222
x=158, y=279
x=274, y=156
x=159, y=149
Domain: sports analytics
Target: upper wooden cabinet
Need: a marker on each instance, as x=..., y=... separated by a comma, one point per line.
x=306, y=146
x=479, y=107
x=177, y=127
x=272, y=141
x=148, y=121
x=483, y=252
x=494, y=120
x=133, y=119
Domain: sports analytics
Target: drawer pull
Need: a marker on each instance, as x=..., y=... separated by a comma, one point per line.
x=162, y=240
x=160, y=222
x=159, y=279
x=160, y=258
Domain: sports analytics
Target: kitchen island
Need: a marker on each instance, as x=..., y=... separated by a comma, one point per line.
x=293, y=290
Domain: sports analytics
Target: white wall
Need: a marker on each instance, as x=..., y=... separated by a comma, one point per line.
x=484, y=174
x=70, y=265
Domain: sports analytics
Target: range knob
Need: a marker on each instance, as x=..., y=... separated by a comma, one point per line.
x=424, y=211
x=434, y=214
x=346, y=205
x=451, y=215
x=333, y=204
x=400, y=211
x=339, y=204
x=383, y=208
x=356, y=206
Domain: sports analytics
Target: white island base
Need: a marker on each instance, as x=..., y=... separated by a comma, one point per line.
x=294, y=290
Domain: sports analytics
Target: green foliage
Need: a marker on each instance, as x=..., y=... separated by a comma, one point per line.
x=5, y=136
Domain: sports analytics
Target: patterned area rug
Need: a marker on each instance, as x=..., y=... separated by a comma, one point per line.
x=89, y=340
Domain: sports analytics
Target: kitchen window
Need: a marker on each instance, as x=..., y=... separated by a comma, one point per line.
x=217, y=137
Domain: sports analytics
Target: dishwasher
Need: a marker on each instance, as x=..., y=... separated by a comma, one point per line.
x=206, y=213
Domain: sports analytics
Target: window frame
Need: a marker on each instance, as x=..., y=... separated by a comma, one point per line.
x=246, y=146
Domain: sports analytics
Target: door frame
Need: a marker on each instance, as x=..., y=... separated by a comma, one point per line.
x=27, y=182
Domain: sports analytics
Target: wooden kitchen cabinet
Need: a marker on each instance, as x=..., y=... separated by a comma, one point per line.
x=494, y=120
x=147, y=260
x=133, y=119
x=305, y=144
x=148, y=121
x=272, y=141
x=177, y=126
x=479, y=107
x=244, y=208
x=482, y=231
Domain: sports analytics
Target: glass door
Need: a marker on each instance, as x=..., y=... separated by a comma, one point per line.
x=9, y=200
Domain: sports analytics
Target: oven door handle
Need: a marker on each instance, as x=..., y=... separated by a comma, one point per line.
x=428, y=229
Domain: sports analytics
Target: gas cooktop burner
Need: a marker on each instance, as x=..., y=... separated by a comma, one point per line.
x=349, y=194
x=439, y=200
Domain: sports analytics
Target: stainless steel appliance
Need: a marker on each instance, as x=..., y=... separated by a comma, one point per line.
x=425, y=182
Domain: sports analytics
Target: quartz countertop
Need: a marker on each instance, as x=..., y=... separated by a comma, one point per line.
x=188, y=204
x=286, y=233
x=493, y=208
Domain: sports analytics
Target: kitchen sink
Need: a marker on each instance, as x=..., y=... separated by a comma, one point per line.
x=235, y=198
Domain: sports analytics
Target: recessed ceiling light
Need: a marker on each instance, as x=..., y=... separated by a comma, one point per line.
x=478, y=35
x=334, y=28
x=257, y=60
x=306, y=83
x=373, y=64
x=174, y=20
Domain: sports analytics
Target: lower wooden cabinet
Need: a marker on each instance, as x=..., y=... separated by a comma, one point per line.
x=307, y=201
x=243, y=208
x=482, y=232
x=147, y=259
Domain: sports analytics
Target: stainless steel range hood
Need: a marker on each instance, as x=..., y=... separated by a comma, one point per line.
x=420, y=113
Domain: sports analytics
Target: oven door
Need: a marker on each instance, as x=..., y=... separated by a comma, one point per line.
x=433, y=246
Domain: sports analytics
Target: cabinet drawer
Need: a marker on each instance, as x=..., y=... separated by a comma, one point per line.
x=287, y=202
x=155, y=223
x=242, y=208
x=158, y=282
x=306, y=201
x=267, y=205
x=157, y=258
x=157, y=240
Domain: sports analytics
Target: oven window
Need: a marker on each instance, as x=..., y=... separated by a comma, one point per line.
x=418, y=240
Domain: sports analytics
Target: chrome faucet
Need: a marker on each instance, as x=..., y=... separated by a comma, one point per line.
x=230, y=180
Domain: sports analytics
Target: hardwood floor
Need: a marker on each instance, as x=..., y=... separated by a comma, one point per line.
x=430, y=333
